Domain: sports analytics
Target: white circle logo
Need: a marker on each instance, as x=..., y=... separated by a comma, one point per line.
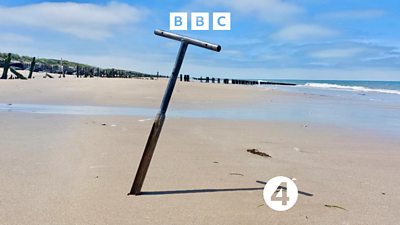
x=280, y=193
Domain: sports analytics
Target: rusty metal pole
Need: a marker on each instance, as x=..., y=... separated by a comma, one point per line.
x=160, y=117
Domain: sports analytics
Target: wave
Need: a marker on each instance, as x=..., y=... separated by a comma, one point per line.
x=351, y=88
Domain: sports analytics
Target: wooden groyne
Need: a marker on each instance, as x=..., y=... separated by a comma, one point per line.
x=12, y=63
x=233, y=81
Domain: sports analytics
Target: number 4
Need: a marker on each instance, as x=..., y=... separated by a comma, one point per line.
x=280, y=195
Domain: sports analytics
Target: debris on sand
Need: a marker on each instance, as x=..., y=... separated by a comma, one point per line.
x=236, y=174
x=257, y=152
x=104, y=124
x=335, y=206
x=48, y=76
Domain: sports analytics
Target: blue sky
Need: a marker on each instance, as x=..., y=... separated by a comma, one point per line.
x=304, y=39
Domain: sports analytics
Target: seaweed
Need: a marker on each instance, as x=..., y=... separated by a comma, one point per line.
x=257, y=152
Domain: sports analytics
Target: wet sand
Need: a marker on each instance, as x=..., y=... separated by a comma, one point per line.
x=64, y=169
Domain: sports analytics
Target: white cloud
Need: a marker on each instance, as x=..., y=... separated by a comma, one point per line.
x=337, y=53
x=274, y=11
x=300, y=32
x=354, y=14
x=83, y=20
x=14, y=38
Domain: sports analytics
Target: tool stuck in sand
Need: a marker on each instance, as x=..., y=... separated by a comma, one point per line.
x=160, y=117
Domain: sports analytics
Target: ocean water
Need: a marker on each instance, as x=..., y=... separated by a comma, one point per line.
x=363, y=105
x=372, y=105
x=387, y=87
x=385, y=90
x=373, y=90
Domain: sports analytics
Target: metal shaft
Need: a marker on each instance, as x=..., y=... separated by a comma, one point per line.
x=158, y=124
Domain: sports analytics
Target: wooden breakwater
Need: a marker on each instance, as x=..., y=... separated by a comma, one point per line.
x=13, y=62
x=8, y=66
x=187, y=78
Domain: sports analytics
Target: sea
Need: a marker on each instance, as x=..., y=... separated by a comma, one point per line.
x=384, y=87
x=364, y=105
x=372, y=106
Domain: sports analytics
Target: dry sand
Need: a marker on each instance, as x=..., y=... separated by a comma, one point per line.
x=120, y=92
x=60, y=169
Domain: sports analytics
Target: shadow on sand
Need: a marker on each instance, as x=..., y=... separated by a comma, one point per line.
x=211, y=190
x=193, y=191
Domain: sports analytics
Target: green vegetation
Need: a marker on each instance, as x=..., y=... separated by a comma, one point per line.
x=48, y=62
x=73, y=67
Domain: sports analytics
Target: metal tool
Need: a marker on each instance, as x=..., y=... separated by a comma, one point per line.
x=160, y=117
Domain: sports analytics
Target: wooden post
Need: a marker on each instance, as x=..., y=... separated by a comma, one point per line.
x=32, y=68
x=6, y=66
x=17, y=74
x=77, y=71
x=62, y=68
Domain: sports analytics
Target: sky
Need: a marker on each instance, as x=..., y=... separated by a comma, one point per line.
x=269, y=39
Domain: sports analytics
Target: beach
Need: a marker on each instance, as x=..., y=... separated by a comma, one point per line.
x=64, y=168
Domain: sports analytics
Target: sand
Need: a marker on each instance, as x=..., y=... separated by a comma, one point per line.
x=120, y=92
x=64, y=169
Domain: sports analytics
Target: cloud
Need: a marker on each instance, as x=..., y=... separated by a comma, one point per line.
x=300, y=32
x=273, y=11
x=14, y=38
x=83, y=20
x=354, y=14
x=337, y=53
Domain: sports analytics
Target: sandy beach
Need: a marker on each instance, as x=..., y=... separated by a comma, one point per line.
x=78, y=169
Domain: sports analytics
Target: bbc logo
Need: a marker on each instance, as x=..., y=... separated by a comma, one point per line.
x=200, y=21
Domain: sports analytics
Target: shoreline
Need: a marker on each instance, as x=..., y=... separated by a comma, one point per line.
x=148, y=114
x=197, y=100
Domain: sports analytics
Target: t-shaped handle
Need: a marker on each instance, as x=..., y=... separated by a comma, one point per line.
x=188, y=40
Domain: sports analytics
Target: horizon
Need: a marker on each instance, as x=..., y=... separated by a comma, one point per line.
x=302, y=40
